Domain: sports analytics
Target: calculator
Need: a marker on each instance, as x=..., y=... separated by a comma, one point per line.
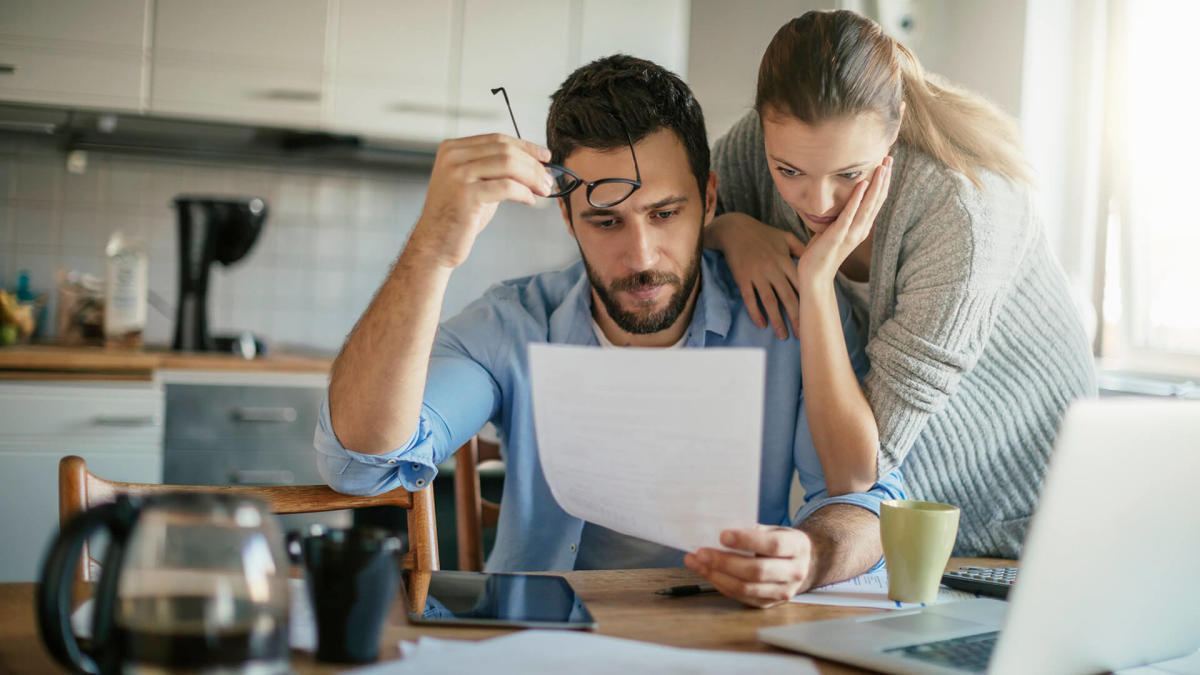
x=994, y=581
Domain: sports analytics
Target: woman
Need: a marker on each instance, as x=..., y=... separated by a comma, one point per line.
x=911, y=196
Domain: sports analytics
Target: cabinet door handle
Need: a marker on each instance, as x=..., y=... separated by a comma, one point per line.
x=8, y=68
x=291, y=95
x=124, y=421
x=248, y=413
x=261, y=477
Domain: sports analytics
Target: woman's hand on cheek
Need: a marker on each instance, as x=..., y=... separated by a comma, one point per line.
x=829, y=249
x=760, y=258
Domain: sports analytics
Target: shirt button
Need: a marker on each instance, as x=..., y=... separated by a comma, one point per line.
x=391, y=461
x=416, y=467
x=572, y=548
x=420, y=482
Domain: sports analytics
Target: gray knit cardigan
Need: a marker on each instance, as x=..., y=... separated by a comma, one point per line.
x=976, y=349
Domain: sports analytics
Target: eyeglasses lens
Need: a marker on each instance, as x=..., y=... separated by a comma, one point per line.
x=563, y=181
x=609, y=194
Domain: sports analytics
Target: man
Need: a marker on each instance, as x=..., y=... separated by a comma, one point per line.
x=395, y=410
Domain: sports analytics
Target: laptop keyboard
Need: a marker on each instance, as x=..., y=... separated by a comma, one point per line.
x=969, y=653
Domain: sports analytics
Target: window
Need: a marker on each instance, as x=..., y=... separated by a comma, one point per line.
x=1151, y=236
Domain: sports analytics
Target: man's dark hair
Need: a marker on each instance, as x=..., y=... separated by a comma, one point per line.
x=589, y=108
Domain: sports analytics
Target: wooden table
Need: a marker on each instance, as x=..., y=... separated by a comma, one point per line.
x=622, y=601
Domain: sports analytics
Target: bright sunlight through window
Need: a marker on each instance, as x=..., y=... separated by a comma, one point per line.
x=1161, y=238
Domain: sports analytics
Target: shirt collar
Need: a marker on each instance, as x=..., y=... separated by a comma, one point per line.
x=571, y=321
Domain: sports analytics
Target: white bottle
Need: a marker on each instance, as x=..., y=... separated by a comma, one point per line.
x=125, y=296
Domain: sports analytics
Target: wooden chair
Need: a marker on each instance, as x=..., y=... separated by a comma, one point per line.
x=472, y=511
x=78, y=489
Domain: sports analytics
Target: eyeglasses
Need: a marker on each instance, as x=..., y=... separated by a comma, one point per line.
x=601, y=193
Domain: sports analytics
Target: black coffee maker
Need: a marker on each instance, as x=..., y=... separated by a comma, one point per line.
x=211, y=229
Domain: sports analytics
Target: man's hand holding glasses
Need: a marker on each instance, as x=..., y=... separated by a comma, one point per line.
x=471, y=176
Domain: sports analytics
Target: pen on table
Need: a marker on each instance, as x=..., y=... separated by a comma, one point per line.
x=688, y=589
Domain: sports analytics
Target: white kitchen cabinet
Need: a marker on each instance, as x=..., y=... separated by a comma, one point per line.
x=393, y=69
x=656, y=31
x=530, y=47
x=116, y=427
x=524, y=46
x=407, y=70
x=73, y=52
x=261, y=61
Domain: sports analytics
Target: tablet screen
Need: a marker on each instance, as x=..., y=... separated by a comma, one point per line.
x=482, y=599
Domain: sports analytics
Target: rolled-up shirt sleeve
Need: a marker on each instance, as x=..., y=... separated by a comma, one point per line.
x=460, y=397
x=890, y=487
x=355, y=473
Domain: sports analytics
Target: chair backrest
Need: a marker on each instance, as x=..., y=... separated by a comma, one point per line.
x=79, y=489
x=472, y=511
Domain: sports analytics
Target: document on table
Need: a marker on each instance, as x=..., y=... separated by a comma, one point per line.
x=550, y=651
x=660, y=444
x=870, y=590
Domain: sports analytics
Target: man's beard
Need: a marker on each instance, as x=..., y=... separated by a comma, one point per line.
x=653, y=322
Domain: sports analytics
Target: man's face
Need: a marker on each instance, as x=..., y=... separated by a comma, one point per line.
x=642, y=255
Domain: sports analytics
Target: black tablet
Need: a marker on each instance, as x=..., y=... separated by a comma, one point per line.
x=486, y=599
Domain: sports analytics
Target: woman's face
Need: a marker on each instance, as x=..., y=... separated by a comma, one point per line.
x=815, y=167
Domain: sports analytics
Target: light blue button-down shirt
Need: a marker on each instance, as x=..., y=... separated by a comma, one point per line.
x=479, y=372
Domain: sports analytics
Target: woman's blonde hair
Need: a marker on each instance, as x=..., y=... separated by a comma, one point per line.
x=829, y=64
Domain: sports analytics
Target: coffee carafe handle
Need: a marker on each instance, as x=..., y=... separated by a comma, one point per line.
x=54, y=591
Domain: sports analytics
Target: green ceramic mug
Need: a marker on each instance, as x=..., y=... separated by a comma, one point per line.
x=917, y=540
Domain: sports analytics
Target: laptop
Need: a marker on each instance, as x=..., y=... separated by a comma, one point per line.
x=1110, y=572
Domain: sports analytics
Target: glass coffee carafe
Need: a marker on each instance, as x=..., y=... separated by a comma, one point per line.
x=190, y=581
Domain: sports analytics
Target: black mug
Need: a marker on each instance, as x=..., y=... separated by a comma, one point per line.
x=353, y=576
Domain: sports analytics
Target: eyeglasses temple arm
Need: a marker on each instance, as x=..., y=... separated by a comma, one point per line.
x=514, y=118
x=636, y=171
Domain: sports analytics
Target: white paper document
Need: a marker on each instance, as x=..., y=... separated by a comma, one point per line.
x=871, y=590
x=664, y=445
x=549, y=651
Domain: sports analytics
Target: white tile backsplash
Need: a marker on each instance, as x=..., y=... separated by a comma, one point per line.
x=295, y=194
x=36, y=223
x=129, y=185
x=7, y=178
x=89, y=188
x=8, y=237
x=328, y=243
x=39, y=180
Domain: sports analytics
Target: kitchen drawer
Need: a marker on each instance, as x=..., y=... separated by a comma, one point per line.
x=81, y=413
x=191, y=467
x=236, y=463
x=217, y=414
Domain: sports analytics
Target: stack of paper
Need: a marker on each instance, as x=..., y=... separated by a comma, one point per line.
x=549, y=651
x=871, y=590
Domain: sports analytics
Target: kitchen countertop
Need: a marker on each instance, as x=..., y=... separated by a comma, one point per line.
x=51, y=361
